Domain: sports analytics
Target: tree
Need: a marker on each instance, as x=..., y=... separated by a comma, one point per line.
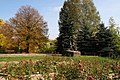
x=8, y=31
x=114, y=30
x=104, y=37
x=1, y=21
x=2, y=40
x=29, y=28
x=89, y=24
x=68, y=25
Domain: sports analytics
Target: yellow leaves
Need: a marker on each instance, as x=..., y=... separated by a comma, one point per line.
x=3, y=40
x=1, y=21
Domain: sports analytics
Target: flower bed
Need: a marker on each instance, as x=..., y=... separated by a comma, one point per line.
x=63, y=68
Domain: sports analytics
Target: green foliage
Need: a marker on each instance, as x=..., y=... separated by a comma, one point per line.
x=114, y=30
x=68, y=25
x=89, y=24
x=78, y=25
x=104, y=37
x=49, y=47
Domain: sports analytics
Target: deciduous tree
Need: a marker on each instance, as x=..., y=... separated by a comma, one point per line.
x=30, y=28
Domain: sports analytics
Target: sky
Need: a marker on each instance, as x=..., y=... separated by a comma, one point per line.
x=50, y=9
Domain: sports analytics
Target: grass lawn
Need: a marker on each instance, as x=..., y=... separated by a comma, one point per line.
x=20, y=58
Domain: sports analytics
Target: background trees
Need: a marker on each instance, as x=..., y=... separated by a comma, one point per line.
x=81, y=29
x=78, y=24
x=26, y=31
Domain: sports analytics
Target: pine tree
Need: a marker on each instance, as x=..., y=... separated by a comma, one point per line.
x=68, y=25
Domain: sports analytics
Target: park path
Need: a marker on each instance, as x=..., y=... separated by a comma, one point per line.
x=12, y=55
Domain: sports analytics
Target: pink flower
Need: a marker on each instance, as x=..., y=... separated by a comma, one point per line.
x=80, y=65
x=91, y=78
x=81, y=71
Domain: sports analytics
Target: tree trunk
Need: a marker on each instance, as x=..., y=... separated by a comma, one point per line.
x=27, y=49
x=27, y=43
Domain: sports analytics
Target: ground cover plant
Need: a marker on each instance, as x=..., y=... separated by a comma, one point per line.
x=63, y=68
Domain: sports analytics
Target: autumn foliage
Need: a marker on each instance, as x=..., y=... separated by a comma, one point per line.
x=26, y=31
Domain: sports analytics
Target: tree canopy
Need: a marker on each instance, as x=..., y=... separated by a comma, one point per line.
x=27, y=30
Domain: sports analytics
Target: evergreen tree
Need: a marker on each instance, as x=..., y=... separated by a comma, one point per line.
x=78, y=25
x=89, y=24
x=114, y=30
x=68, y=25
x=104, y=37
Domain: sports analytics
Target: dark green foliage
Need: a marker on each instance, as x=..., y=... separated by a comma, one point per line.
x=80, y=29
x=78, y=24
x=68, y=26
x=104, y=37
x=89, y=24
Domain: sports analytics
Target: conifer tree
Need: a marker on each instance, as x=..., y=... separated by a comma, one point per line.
x=68, y=25
x=78, y=24
x=89, y=24
x=104, y=37
x=114, y=30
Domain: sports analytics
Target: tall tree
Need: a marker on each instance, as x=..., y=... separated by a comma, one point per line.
x=89, y=24
x=68, y=25
x=30, y=28
x=114, y=30
x=104, y=37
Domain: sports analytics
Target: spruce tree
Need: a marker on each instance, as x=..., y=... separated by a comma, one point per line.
x=104, y=37
x=89, y=24
x=78, y=24
x=68, y=25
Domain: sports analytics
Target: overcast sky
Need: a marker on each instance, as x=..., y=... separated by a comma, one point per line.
x=49, y=9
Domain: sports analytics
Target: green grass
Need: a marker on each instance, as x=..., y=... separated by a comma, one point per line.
x=20, y=58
